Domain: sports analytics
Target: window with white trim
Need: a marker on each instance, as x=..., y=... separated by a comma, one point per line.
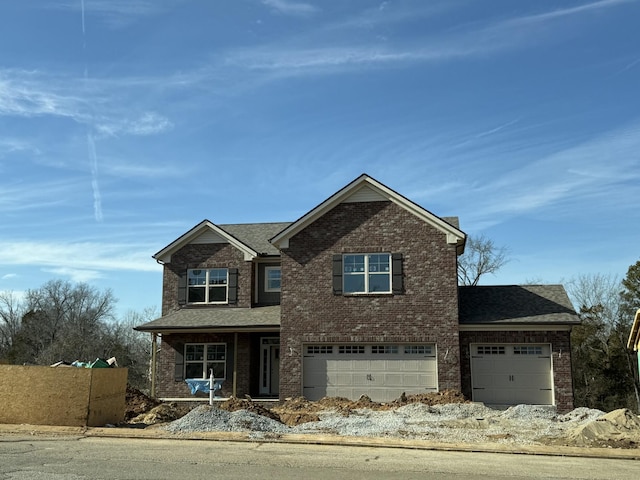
x=200, y=358
x=366, y=273
x=208, y=285
x=272, y=279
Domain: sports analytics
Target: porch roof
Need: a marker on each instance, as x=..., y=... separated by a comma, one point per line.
x=189, y=319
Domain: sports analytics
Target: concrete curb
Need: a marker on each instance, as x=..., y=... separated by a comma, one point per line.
x=154, y=433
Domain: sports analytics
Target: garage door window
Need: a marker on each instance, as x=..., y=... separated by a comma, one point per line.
x=384, y=349
x=318, y=349
x=418, y=350
x=351, y=349
x=527, y=350
x=491, y=350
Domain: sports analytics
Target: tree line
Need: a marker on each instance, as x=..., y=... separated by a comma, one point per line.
x=63, y=321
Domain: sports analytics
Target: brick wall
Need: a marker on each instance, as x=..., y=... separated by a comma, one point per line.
x=168, y=387
x=560, y=358
x=427, y=312
x=216, y=255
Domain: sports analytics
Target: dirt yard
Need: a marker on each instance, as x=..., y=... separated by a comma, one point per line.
x=426, y=416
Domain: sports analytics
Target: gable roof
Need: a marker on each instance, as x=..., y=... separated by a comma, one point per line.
x=634, y=335
x=516, y=304
x=249, y=238
x=366, y=189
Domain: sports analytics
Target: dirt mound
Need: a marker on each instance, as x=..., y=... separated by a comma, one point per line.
x=296, y=411
x=137, y=403
x=233, y=404
x=162, y=413
x=619, y=428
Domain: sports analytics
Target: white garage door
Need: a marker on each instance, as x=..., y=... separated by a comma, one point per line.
x=382, y=372
x=511, y=374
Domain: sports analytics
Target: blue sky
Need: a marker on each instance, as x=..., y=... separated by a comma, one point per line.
x=123, y=123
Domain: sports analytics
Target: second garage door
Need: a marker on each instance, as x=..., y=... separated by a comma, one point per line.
x=512, y=374
x=382, y=372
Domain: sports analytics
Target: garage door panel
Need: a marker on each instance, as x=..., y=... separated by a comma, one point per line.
x=382, y=374
x=512, y=374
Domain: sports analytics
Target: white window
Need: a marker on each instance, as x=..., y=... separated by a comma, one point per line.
x=272, y=279
x=366, y=273
x=208, y=285
x=199, y=359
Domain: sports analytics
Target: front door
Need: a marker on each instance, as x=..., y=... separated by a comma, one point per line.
x=269, y=366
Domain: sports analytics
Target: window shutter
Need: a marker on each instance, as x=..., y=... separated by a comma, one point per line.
x=337, y=274
x=397, y=276
x=182, y=288
x=179, y=368
x=233, y=286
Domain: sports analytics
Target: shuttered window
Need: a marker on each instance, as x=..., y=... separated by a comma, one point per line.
x=367, y=273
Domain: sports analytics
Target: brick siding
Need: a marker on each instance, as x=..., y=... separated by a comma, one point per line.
x=427, y=312
x=215, y=255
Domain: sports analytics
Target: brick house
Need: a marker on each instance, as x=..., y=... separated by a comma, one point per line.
x=357, y=297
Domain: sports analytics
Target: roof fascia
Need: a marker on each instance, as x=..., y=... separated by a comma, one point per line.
x=454, y=235
x=505, y=327
x=164, y=255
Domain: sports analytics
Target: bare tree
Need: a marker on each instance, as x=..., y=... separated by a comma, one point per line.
x=63, y=321
x=11, y=312
x=481, y=257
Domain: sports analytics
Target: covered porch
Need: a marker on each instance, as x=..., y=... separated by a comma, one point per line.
x=240, y=345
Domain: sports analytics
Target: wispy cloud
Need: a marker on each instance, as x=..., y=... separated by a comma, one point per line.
x=287, y=7
x=114, y=13
x=603, y=173
x=78, y=257
x=8, y=276
x=75, y=274
x=565, y=12
x=149, y=123
x=321, y=53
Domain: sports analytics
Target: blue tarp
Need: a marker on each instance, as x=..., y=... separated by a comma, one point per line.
x=200, y=385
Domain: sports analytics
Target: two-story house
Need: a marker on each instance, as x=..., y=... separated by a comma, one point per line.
x=357, y=297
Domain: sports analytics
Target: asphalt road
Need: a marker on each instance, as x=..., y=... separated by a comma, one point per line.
x=79, y=457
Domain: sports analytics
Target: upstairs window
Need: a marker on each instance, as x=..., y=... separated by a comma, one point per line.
x=272, y=279
x=207, y=285
x=367, y=273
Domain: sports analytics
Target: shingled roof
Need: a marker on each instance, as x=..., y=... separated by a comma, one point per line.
x=516, y=304
x=190, y=319
x=256, y=235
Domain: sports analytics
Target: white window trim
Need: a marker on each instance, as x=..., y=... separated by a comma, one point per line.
x=266, y=279
x=207, y=286
x=366, y=274
x=204, y=362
